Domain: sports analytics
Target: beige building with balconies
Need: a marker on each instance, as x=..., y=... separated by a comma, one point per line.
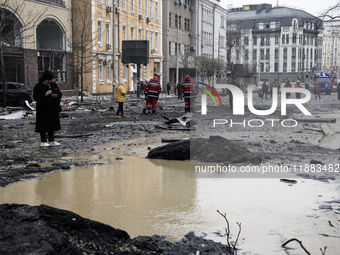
x=96, y=40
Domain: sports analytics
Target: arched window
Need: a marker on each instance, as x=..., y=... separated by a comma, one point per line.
x=50, y=35
x=10, y=28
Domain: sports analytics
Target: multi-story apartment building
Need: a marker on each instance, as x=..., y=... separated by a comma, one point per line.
x=179, y=39
x=283, y=43
x=97, y=38
x=37, y=35
x=211, y=29
x=331, y=43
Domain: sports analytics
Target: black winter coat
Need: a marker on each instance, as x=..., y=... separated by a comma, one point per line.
x=47, y=116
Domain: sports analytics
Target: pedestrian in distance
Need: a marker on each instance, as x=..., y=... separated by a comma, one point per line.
x=317, y=90
x=168, y=87
x=175, y=88
x=153, y=89
x=264, y=90
x=288, y=85
x=298, y=85
x=48, y=96
x=120, y=98
x=189, y=91
x=179, y=91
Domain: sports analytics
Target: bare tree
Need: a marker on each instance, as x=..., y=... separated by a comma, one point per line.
x=13, y=32
x=83, y=39
x=208, y=67
x=333, y=12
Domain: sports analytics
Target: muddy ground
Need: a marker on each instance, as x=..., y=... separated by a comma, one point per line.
x=87, y=125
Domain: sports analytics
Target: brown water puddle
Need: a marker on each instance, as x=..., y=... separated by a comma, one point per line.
x=147, y=197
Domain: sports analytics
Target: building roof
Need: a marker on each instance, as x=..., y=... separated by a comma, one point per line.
x=265, y=12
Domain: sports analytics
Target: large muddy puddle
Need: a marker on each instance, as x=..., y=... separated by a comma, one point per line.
x=146, y=197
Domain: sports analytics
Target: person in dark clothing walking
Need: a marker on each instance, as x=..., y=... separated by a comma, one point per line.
x=48, y=96
x=168, y=88
x=179, y=91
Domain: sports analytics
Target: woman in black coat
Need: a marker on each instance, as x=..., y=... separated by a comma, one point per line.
x=47, y=95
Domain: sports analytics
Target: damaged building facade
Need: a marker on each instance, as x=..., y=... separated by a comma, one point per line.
x=35, y=36
x=282, y=43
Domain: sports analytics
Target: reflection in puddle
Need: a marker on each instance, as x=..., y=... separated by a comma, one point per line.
x=159, y=197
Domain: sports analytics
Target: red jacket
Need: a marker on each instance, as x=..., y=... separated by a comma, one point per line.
x=189, y=90
x=153, y=88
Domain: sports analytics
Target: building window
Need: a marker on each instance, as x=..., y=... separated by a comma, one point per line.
x=276, y=39
x=151, y=39
x=293, y=53
x=276, y=53
x=100, y=69
x=294, y=38
x=186, y=25
x=267, y=67
x=287, y=39
x=100, y=31
x=179, y=22
x=124, y=32
x=100, y=2
x=124, y=5
x=176, y=21
x=262, y=67
x=283, y=39
x=156, y=40
x=132, y=33
x=156, y=10
x=146, y=34
x=276, y=67
x=151, y=9
x=254, y=55
x=267, y=54
x=146, y=9
x=268, y=40
x=262, y=54
x=262, y=40
x=173, y=48
x=139, y=6
x=140, y=34
x=132, y=6
x=169, y=19
x=285, y=67
x=108, y=32
x=293, y=67
x=246, y=40
x=246, y=54
x=255, y=40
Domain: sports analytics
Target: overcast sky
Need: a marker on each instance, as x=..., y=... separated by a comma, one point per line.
x=313, y=7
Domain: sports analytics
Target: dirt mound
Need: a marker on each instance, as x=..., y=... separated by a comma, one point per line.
x=46, y=230
x=212, y=149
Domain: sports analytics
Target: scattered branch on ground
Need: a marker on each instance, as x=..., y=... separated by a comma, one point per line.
x=297, y=240
x=228, y=233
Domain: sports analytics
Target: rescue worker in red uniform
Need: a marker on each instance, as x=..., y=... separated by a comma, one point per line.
x=152, y=89
x=317, y=90
x=189, y=91
x=288, y=85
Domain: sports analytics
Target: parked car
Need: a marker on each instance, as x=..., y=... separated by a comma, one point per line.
x=16, y=94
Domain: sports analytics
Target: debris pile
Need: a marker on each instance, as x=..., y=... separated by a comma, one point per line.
x=212, y=149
